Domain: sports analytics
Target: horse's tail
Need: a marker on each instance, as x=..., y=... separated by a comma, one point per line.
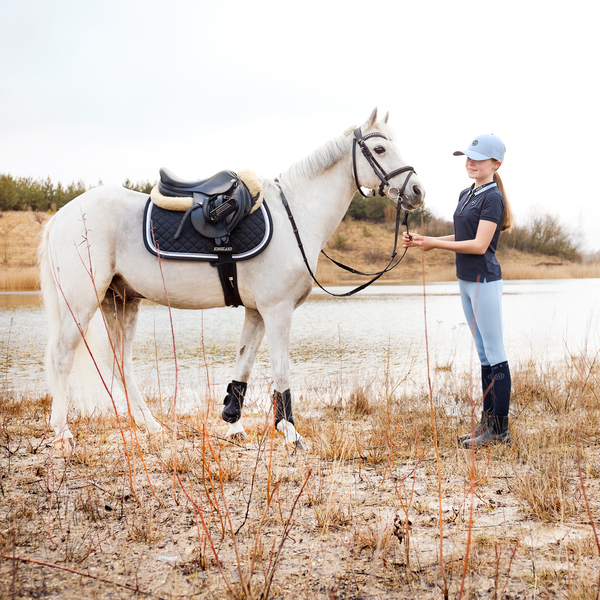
x=83, y=365
x=50, y=298
x=91, y=368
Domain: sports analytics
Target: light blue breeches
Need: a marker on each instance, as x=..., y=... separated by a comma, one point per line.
x=484, y=301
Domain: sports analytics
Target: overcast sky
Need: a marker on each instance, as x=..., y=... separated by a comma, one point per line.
x=114, y=89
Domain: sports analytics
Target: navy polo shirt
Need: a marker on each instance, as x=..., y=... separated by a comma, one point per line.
x=485, y=203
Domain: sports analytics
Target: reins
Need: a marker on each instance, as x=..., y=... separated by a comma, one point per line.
x=384, y=177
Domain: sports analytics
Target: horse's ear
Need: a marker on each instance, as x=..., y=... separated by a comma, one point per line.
x=387, y=116
x=372, y=119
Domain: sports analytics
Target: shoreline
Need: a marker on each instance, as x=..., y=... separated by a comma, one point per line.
x=18, y=280
x=26, y=279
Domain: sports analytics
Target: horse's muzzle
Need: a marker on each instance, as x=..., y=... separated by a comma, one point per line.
x=410, y=198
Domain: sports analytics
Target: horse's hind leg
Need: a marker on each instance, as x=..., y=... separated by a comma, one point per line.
x=60, y=355
x=252, y=335
x=121, y=317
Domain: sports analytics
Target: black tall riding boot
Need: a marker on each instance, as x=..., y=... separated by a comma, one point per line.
x=497, y=431
x=487, y=388
x=502, y=387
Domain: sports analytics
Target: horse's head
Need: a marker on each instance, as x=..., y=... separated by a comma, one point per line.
x=377, y=163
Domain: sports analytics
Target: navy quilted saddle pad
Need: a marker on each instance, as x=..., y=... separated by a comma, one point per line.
x=247, y=240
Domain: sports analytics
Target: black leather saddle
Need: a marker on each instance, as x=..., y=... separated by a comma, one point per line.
x=219, y=203
x=221, y=229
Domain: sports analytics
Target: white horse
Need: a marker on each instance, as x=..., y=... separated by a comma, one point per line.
x=102, y=229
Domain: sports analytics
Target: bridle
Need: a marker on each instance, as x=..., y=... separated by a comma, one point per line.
x=359, y=140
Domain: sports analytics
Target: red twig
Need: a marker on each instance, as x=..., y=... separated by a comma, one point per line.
x=579, y=468
x=471, y=461
x=284, y=536
x=162, y=275
x=207, y=532
x=81, y=574
x=434, y=430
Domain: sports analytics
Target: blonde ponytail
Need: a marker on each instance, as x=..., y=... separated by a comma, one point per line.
x=507, y=222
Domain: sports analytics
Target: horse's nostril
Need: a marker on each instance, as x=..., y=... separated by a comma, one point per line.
x=417, y=191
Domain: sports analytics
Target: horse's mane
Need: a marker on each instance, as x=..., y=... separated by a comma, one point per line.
x=318, y=160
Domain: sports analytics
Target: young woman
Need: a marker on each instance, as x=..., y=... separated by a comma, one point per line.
x=482, y=213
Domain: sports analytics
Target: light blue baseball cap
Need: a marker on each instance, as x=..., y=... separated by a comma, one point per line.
x=483, y=147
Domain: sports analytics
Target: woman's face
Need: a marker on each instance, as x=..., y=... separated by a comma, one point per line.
x=482, y=171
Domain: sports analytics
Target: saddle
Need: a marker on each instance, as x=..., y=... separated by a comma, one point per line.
x=215, y=205
x=217, y=230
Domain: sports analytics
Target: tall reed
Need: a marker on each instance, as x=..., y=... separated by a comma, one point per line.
x=26, y=279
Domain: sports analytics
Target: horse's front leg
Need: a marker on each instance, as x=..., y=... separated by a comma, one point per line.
x=252, y=335
x=278, y=323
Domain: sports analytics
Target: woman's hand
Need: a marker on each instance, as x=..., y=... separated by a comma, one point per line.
x=416, y=240
x=483, y=238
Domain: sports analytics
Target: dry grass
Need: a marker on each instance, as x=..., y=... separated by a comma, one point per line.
x=20, y=235
x=24, y=279
x=543, y=270
x=170, y=521
x=374, y=536
x=545, y=484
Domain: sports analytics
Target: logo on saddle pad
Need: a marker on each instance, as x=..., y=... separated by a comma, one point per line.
x=222, y=249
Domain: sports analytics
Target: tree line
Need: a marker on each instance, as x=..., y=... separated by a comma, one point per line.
x=26, y=193
x=541, y=234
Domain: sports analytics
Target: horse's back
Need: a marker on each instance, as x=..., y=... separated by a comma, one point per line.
x=105, y=206
x=82, y=240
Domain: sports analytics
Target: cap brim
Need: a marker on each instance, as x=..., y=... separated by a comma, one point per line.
x=472, y=155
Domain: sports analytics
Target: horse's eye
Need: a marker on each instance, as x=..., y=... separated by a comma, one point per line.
x=379, y=149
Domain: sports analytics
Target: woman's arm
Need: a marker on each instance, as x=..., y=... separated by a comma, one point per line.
x=485, y=233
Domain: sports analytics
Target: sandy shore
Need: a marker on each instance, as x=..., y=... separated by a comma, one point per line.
x=360, y=514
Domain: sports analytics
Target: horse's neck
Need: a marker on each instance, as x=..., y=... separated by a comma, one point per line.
x=320, y=203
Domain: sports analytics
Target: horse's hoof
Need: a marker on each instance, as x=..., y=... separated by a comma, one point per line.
x=236, y=431
x=299, y=445
x=153, y=429
x=63, y=448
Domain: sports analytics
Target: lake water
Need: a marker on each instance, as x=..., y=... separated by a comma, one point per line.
x=382, y=327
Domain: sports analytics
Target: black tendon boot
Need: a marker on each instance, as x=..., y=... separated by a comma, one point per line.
x=282, y=411
x=497, y=431
x=283, y=407
x=234, y=401
x=487, y=389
